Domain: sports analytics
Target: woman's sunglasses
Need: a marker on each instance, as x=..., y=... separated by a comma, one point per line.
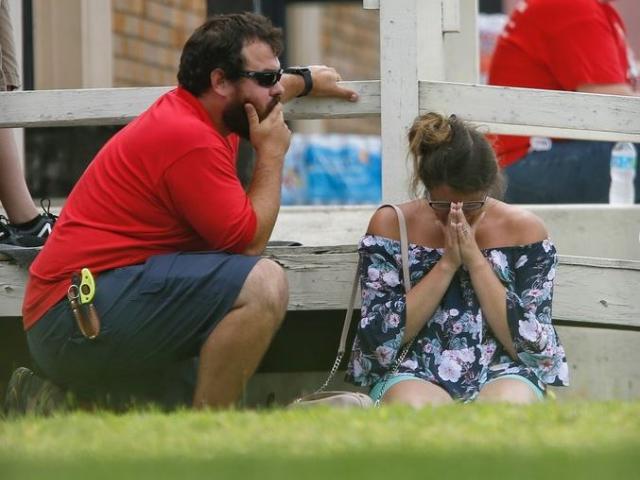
x=441, y=206
x=267, y=78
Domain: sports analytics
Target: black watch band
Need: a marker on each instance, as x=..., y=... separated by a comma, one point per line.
x=305, y=73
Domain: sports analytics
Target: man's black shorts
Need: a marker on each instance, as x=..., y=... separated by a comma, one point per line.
x=154, y=317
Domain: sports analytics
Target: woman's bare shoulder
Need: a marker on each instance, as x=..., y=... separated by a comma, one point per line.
x=384, y=222
x=524, y=227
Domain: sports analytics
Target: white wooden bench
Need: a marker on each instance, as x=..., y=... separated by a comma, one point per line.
x=596, y=302
x=596, y=307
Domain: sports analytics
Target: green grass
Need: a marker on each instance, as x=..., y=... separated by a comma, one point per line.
x=559, y=441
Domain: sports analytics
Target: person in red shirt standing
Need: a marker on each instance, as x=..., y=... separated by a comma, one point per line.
x=571, y=45
x=187, y=307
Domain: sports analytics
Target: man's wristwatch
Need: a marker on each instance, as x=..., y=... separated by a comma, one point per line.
x=305, y=73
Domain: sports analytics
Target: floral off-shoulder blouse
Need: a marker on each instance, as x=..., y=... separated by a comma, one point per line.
x=456, y=349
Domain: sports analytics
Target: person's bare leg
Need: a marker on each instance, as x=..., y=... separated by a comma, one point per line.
x=235, y=347
x=14, y=194
x=507, y=390
x=417, y=394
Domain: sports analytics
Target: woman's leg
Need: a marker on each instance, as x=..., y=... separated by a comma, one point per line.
x=409, y=390
x=14, y=195
x=511, y=389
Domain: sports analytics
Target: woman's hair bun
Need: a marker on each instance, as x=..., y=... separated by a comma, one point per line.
x=447, y=151
x=429, y=132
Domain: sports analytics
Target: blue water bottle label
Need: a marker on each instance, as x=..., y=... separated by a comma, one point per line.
x=623, y=162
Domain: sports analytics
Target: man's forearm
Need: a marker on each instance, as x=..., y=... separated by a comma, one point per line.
x=324, y=84
x=293, y=86
x=264, y=193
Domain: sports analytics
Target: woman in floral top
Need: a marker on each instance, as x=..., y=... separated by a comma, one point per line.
x=479, y=310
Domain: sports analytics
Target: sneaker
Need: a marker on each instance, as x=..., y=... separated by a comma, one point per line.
x=6, y=233
x=29, y=394
x=35, y=235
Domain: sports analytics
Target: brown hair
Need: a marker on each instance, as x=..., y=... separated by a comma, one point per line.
x=447, y=151
x=218, y=43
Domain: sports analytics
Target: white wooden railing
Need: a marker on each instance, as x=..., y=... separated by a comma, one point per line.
x=424, y=55
x=499, y=109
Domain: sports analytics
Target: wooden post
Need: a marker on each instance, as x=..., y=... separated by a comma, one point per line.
x=411, y=49
x=461, y=40
x=97, y=48
x=304, y=27
x=73, y=44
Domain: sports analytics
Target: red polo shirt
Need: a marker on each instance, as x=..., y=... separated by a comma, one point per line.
x=167, y=182
x=558, y=45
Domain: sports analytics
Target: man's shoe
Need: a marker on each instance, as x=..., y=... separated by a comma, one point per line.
x=29, y=394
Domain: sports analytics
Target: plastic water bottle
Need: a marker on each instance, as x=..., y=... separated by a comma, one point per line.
x=623, y=173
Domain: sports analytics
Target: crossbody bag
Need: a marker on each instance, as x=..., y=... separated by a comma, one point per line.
x=344, y=398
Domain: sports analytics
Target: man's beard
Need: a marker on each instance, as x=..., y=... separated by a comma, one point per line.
x=235, y=117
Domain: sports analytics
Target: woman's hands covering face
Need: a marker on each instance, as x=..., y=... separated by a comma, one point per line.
x=460, y=246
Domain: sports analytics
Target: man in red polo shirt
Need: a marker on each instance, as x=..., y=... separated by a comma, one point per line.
x=187, y=307
x=572, y=45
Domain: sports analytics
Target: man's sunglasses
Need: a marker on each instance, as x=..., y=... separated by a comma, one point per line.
x=440, y=206
x=267, y=78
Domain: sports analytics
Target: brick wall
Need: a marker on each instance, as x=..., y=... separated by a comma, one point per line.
x=148, y=36
x=350, y=43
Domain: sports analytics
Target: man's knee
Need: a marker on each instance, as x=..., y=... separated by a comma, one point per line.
x=268, y=289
